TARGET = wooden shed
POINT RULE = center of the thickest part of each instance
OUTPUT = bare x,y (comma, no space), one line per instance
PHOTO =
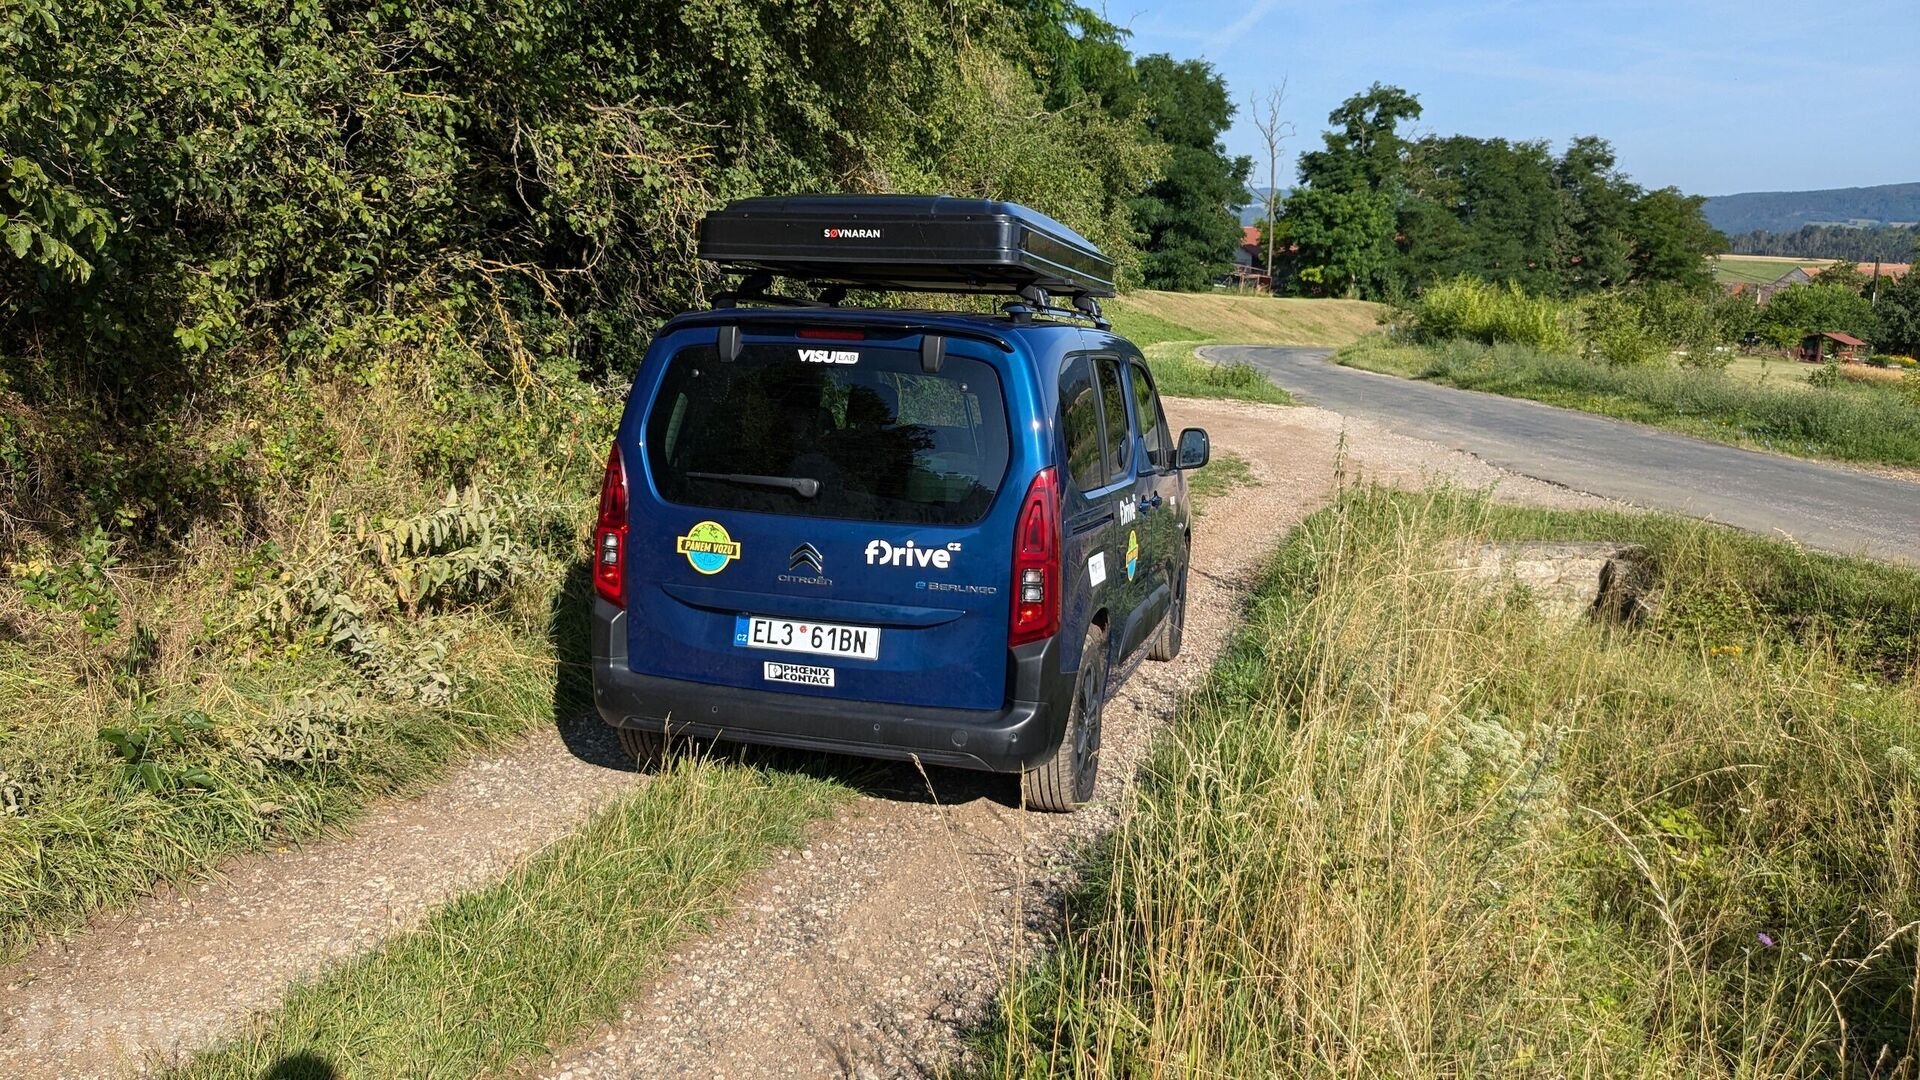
1842,347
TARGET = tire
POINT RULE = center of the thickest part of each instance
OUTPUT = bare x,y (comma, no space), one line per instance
1064,781
648,749
1166,643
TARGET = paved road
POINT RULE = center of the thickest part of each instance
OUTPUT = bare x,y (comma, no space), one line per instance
1824,506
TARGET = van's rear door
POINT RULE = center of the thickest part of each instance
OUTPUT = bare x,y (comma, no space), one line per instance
825,516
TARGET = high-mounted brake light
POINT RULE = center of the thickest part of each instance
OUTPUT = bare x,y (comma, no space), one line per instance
1036,563
831,333
610,533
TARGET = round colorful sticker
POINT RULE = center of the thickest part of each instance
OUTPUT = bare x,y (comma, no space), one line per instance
707,547
1133,553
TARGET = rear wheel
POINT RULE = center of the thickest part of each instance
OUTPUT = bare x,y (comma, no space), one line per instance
648,749
1166,643
1065,780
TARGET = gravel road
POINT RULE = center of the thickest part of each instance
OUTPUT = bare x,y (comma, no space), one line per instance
1834,507
864,954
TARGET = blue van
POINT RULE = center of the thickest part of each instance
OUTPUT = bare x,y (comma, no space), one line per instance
936,535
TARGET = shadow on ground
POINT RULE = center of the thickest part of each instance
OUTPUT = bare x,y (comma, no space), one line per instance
304,1065
593,742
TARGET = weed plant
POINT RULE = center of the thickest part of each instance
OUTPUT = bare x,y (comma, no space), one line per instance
1409,828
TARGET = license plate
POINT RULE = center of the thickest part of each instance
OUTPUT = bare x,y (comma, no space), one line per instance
800,636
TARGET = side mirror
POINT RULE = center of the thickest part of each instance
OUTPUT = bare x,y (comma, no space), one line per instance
1194,449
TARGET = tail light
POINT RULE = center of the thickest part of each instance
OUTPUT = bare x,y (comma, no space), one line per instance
1036,563
610,533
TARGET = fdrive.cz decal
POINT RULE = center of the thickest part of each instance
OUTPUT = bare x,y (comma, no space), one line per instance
882,553
1133,553
708,547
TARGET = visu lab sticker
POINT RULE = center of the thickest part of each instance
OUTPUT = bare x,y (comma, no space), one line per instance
801,674
1097,567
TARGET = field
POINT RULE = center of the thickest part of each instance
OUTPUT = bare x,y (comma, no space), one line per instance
1756,269
1413,828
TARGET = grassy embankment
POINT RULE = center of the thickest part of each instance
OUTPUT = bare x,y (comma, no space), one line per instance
1168,327
248,693
1848,422
1411,829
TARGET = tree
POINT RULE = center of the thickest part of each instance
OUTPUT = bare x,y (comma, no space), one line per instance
1485,207
1898,310
1845,274
1274,131
1187,216
1799,310
1671,238
1342,215
1595,248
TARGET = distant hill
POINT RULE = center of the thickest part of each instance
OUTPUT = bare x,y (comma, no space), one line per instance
1787,211
1251,213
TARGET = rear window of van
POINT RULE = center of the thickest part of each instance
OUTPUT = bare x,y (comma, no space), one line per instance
865,434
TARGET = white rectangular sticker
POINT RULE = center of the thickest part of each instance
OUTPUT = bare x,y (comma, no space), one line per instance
1097,567
804,674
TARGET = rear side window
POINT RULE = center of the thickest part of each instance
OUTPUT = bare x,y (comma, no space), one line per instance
1080,421
873,439
1113,413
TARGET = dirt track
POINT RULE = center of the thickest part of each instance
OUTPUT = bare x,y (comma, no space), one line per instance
862,955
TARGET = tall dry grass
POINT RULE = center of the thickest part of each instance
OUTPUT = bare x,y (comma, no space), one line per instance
1412,829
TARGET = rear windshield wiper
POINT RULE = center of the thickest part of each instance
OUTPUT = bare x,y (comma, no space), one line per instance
804,486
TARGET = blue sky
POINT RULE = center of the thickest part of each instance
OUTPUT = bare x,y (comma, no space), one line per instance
1714,97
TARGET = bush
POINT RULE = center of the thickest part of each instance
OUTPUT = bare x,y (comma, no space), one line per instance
1611,331
1477,310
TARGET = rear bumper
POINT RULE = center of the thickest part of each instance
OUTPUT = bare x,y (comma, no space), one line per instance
1020,736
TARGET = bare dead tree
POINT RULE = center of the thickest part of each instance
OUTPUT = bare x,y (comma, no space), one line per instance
1266,117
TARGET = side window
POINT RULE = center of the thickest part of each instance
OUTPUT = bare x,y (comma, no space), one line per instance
1113,416
1153,422
1080,420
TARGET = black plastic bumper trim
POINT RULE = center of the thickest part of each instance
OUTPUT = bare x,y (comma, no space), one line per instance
1019,736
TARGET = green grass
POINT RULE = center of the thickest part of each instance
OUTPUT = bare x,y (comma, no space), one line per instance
1221,475
498,977
1179,372
1850,423
1409,828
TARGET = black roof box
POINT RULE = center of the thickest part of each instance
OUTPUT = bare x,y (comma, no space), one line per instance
915,243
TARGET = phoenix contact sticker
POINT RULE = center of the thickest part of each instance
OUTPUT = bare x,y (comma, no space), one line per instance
803,674
708,547
1097,567
1133,553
